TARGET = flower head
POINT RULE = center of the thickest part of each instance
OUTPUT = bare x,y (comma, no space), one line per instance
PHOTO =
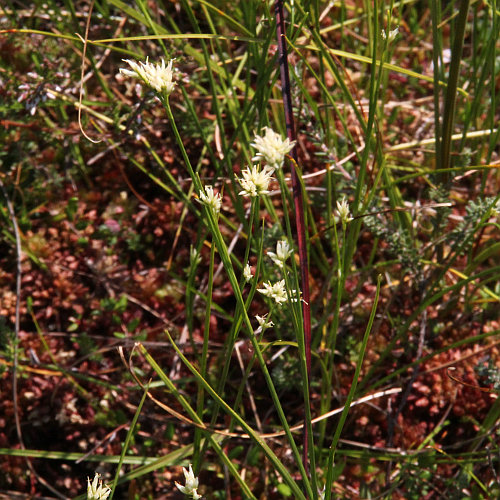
211,199
95,490
247,273
343,211
277,292
264,322
254,181
191,483
391,36
272,148
158,76
194,256
283,251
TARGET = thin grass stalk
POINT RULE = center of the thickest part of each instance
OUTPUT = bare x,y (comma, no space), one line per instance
203,365
492,116
194,176
236,325
213,86
483,68
331,336
437,57
332,65
451,90
329,97
350,396
127,441
298,204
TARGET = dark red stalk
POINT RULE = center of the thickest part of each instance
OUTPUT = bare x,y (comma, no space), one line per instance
297,196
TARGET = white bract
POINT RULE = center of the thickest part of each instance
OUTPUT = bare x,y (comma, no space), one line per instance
211,199
272,148
158,76
96,490
283,251
255,181
191,483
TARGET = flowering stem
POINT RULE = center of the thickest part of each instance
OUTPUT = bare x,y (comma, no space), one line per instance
203,364
196,180
299,206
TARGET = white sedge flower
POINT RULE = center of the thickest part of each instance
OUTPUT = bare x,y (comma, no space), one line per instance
211,199
158,76
272,148
254,181
392,34
247,273
343,211
96,490
277,292
191,483
264,323
283,251
194,256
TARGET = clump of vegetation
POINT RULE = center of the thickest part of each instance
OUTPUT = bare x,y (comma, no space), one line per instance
249,250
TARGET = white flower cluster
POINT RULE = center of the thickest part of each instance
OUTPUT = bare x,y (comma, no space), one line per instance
255,181
247,273
264,322
158,76
391,36
191,484
96,490
343,211
272,148
211,199
283,251
277,292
